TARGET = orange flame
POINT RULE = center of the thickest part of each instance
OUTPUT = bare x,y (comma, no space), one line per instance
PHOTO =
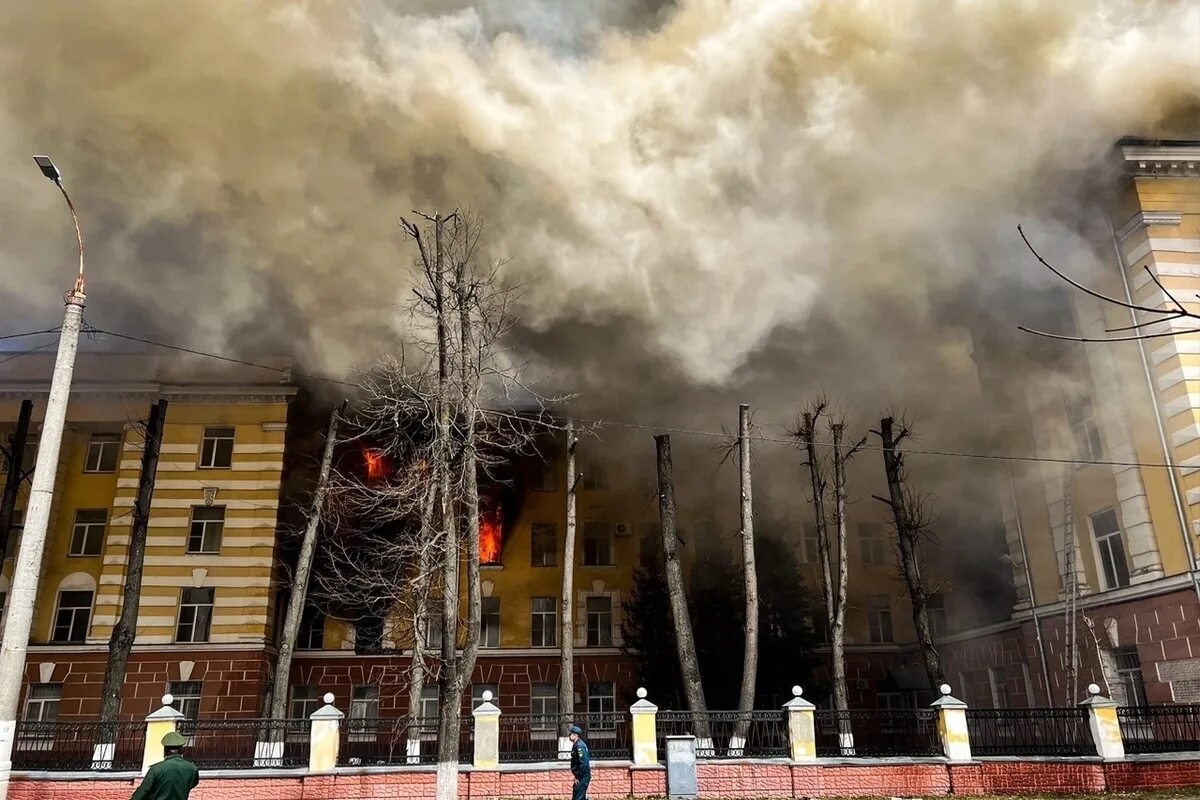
375,464
491,535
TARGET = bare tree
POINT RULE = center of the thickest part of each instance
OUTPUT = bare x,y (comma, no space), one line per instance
737,741
566,671
911,518
831,546
689,663
443,416
271,744
120,642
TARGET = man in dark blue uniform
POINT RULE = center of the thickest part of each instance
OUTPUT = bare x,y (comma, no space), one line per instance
581,764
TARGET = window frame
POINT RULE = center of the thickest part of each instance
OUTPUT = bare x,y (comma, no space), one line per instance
551,553
874,607
100,442
428,725
602,729
484,617
543,723
607,539
599,616
205,525
368,724
1103,545
74,612
545,476
42,703
196,615
215,433
809,537
1130,677
187,697
876,553
998,688
312,625
538,621
88,531
936,612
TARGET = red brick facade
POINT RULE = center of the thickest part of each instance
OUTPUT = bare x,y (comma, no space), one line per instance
731,781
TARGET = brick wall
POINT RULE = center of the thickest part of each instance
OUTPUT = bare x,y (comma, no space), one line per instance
718,781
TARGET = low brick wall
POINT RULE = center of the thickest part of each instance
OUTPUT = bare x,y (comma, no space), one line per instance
742,780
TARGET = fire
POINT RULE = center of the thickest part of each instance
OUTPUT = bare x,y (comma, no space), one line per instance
375,464
491,534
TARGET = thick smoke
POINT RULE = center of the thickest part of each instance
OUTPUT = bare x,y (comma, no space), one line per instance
707,202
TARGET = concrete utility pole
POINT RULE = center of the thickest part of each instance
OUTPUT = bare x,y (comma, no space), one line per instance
29,558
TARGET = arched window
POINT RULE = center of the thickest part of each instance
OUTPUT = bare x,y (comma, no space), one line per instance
73,609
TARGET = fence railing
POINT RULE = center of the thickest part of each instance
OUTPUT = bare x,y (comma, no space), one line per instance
1160,729
728,734
877,733
539,737
233,743
1030,732
397,741
76,746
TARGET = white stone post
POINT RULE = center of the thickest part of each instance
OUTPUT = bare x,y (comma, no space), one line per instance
645,738
487,734
158,725
952,725
324,736
801,725
1105,727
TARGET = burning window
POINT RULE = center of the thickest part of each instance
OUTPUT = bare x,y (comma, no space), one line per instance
491,536
376,466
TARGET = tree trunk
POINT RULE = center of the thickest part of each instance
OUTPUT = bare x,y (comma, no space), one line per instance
469,386
12,483
120,643
737,741
837,596
908,539
420,605
689,665
566,671
277,708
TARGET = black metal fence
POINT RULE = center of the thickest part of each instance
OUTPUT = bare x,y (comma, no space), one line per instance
877,733
392,742
1030,732
728,734
541,737
71,746
1160,729
235,743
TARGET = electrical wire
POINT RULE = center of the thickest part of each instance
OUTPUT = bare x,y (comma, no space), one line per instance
1001,457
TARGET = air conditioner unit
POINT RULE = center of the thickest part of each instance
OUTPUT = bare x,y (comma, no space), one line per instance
623,529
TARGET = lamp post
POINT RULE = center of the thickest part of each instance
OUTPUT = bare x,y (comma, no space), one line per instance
23,593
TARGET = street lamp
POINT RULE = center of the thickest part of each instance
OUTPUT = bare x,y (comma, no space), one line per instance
23,593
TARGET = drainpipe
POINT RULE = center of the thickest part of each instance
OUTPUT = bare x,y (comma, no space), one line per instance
1158,420
1037,622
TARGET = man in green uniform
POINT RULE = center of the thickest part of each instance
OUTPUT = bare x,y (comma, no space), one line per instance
173,778
581,764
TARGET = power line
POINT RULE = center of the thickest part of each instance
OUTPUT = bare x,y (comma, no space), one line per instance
676,430
29,333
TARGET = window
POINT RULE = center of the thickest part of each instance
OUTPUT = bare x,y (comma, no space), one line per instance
544,623
41,704
544,544
87,536
601,701
809,551
935,609
364,712
489,622
208,523
1110,547
433,628
650,541
545,475
429,713
102,453
597,544
305,700
72,617
543,709
1082,418
879,618
599,622
187,698
477,690
1129,677
966,689
870,541
216,448
893,701
595,478
195,615
820,625
999,687
368,634
12,544
312,630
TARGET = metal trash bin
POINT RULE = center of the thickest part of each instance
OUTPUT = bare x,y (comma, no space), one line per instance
681,767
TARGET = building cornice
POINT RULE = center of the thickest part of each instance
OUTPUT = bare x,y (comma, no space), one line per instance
184,393
1147,218
1138,591
1165,159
